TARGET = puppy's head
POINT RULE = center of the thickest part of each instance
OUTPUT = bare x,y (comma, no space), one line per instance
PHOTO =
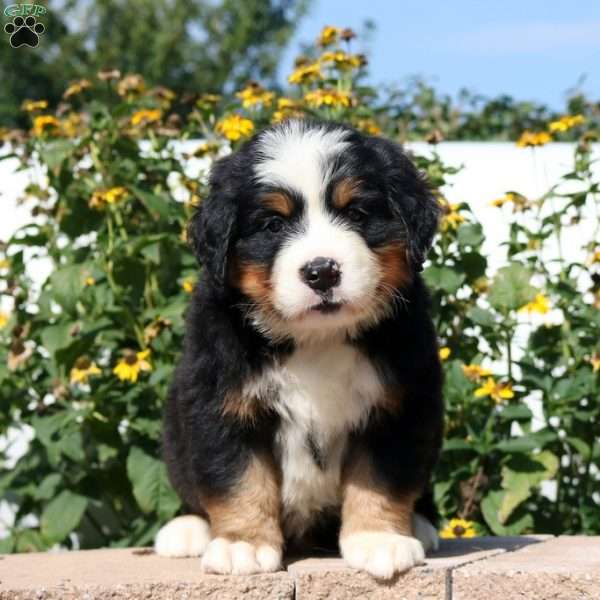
319,227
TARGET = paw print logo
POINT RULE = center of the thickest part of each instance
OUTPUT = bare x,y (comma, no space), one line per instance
24,32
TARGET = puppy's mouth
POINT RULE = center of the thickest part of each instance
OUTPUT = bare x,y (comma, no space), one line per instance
326,307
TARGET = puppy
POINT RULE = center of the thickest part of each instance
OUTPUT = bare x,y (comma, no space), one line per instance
306,408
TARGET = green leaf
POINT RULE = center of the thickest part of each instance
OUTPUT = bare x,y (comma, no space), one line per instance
444,278
490,508
482,317
470,234
151,486
511,289
55,152
62,515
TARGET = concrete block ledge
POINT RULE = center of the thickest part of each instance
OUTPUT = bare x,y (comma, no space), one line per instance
529,567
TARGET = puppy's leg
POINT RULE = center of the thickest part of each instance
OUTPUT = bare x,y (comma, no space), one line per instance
377,532
188,535
245,523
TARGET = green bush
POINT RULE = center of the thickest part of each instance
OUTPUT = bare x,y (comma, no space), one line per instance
87,357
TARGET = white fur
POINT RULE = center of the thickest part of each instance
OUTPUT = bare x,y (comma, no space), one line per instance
326,390
425,532
183,536
240,558
382,554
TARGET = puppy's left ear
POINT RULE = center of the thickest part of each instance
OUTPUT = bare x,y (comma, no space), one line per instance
212,228
410,198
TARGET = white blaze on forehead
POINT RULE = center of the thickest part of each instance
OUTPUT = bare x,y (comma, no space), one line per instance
295,155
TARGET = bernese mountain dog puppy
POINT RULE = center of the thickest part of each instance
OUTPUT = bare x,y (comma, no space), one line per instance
306,410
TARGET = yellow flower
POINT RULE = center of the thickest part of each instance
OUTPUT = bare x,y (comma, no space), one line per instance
3,320
595,362
531,138
368,126
342,60
328,35
475,372
100,198
445,353
519,202
34,105
131,85
145,116
594,258
129,367
305,74
497,391
567,122
287,108
4,263
540,304
188,285
328,97
83,370
206,148
45,123
458,528
453,219
76,88
90,281
254,94
207,101
70,125
235,127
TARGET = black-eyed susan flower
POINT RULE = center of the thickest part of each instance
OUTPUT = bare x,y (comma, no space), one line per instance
83,369
306,73
595,362
368,126
533,138
188,284
342,60
145,116
328,36
328,97
89,281
77,87
540,304
113,195
45,124
254,94
458,528
286,109
206,149
567,122
34,105
451,218
131,365
3,320
444,353
475,372
518,201
131,85
497,391
234,127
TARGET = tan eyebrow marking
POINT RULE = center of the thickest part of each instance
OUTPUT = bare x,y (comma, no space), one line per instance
279,202
345,191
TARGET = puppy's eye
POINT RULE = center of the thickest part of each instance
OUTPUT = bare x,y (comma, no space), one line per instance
356,215
274,225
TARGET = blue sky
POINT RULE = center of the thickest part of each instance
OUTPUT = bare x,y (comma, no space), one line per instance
531,49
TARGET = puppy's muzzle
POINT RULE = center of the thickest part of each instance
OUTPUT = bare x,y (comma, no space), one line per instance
321,274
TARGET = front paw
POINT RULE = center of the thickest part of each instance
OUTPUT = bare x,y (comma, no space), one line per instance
381,554
240,558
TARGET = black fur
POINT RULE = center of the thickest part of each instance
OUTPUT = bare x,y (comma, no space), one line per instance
206,452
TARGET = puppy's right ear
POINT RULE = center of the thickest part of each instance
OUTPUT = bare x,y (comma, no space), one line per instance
212,227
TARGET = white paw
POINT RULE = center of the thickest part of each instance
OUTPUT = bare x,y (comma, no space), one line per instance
425,532
240,558
183,536
381,554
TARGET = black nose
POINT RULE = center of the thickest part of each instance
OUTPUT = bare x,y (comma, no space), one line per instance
321,273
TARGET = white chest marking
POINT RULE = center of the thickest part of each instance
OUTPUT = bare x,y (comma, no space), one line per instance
324,391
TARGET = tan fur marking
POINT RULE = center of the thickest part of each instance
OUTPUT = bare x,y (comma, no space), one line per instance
253,280
394,266
240,407
279,202
368,506
345,191
251,512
